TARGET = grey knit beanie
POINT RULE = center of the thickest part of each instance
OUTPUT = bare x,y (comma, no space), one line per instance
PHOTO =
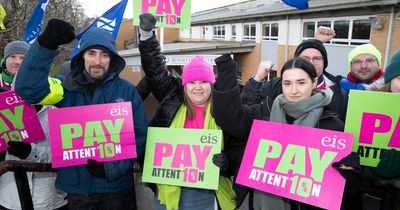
15,47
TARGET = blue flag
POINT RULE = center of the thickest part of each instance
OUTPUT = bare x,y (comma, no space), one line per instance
34,26
299,4
110,20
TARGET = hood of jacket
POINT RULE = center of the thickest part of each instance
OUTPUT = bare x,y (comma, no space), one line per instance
92,38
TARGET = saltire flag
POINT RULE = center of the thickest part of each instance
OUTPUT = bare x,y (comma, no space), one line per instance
34,26
110,20
2,16
299,4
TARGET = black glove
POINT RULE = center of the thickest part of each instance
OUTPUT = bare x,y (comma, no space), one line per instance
351,160
147,21
96,169
19,149
221,161
389,166
227,73
57,32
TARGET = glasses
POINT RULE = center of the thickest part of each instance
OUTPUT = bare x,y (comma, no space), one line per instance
316,60
358,62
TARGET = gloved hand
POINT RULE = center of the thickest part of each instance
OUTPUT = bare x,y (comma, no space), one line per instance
221,161
348,166
96,169
19,149
57,32
147,21
389,166
227,73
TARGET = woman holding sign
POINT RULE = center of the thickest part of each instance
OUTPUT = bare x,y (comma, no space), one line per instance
184,103
300,104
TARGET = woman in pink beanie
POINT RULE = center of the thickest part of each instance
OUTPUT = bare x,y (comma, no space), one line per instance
186,103
197,78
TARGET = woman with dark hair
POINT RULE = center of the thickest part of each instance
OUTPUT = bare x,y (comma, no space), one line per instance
299,104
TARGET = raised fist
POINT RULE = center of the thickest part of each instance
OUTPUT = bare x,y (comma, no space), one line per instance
324,34
147,21
57,32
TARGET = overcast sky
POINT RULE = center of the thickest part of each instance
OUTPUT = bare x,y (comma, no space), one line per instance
98,7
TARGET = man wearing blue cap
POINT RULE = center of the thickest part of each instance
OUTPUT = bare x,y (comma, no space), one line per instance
94,79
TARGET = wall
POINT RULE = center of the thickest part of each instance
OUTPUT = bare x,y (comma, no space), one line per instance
131,76
379,37
249,62
126,32
170,34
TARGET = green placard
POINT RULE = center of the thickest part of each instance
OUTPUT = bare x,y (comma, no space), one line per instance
182,157
373,117
169,13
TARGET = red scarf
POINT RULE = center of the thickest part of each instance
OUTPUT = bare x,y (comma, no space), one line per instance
378,75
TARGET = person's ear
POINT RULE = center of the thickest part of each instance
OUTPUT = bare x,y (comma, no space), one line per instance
315,82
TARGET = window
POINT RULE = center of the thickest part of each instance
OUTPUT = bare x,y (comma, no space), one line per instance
233,31
219,32
324,23
361,30
348,31
249,32
270,31
203,32
308,29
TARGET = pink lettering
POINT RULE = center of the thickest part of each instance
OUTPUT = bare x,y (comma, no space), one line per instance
146,4
395,139
201,156
164,6
178,6
182,156
369,126
162,150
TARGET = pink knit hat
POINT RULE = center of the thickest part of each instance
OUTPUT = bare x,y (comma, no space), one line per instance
198,69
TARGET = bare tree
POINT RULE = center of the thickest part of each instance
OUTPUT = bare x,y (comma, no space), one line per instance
19,12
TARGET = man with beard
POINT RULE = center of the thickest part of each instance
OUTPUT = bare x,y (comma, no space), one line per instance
94,79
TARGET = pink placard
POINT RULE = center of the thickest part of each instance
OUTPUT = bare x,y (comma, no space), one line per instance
18,121
101,132
295,162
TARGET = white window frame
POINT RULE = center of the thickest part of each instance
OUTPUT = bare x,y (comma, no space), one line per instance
233,35
249,37
203,32
349,39
220,28
270,37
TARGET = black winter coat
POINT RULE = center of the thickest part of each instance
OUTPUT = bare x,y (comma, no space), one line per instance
236,118
265,92
168,91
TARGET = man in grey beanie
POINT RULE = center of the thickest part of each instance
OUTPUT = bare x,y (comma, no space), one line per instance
14,54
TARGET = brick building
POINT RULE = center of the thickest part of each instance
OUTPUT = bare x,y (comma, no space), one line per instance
258,30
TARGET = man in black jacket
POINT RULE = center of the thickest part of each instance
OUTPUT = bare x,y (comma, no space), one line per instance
257,91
